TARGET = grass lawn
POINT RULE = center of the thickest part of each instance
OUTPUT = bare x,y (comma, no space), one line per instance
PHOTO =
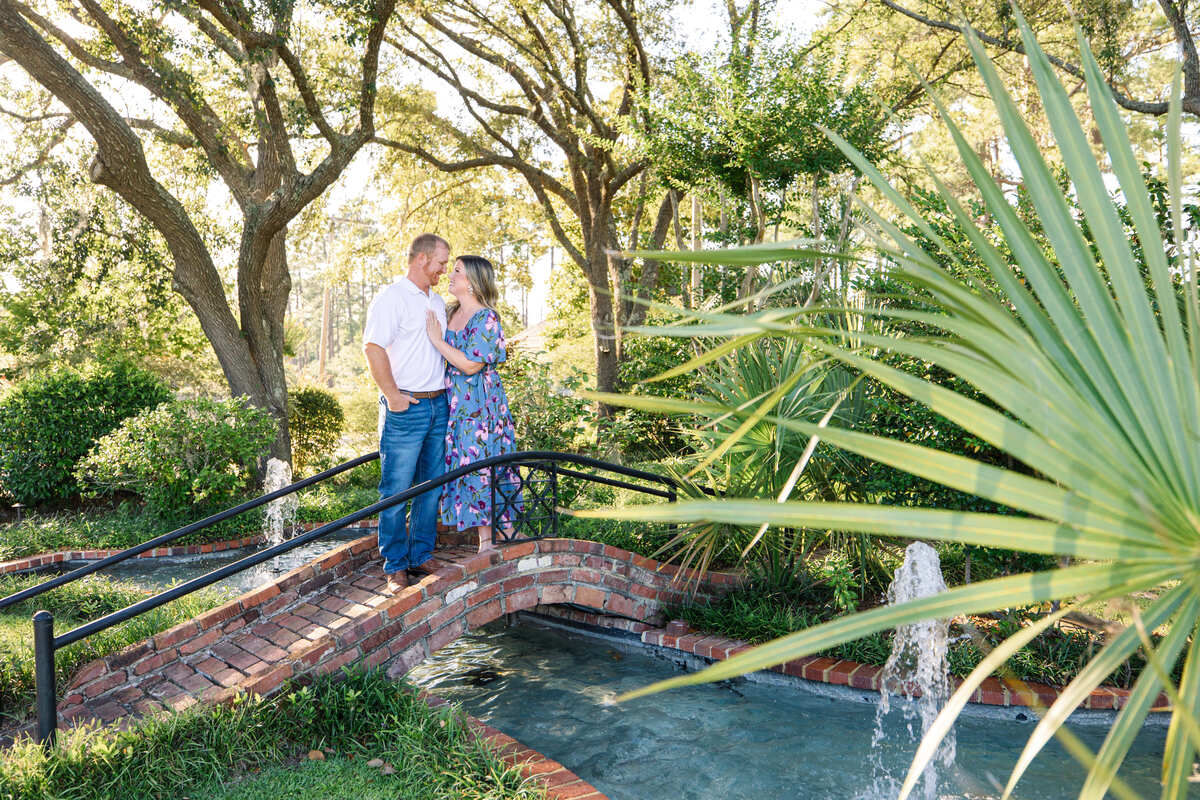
257,748
72,605
314,780
353,779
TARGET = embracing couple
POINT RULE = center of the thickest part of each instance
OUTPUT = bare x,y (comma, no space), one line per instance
441,403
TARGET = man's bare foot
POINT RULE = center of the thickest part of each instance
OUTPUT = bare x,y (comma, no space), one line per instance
397,582
485,544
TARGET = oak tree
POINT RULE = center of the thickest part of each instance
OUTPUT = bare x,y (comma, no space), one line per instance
277,95
547,90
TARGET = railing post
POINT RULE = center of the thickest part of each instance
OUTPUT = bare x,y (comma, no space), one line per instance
495,520
43,654
554,496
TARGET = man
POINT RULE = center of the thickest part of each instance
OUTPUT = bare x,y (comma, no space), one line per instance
410,374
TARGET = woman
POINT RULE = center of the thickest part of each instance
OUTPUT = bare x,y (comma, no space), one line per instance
480,424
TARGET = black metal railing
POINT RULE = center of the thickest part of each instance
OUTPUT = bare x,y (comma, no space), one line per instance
525,505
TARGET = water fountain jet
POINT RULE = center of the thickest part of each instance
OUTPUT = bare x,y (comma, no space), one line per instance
281,513
918,670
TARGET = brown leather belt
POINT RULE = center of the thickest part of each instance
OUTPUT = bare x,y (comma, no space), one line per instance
423,395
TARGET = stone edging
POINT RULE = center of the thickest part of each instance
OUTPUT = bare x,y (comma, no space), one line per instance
60,556
559,782
992,692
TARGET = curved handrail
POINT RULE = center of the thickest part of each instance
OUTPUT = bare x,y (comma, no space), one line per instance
195,584
159,541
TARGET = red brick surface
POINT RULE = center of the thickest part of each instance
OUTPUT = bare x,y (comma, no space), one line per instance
330,613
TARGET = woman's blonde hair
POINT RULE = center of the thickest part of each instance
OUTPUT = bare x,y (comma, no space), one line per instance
482,277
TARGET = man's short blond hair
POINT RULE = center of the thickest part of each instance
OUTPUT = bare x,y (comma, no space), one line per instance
426,244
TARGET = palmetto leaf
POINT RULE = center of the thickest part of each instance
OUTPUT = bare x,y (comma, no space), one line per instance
1092,377
750,255
962,695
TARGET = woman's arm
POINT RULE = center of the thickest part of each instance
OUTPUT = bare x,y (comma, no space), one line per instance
452,354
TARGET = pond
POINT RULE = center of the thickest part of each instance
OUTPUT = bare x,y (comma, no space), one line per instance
552,690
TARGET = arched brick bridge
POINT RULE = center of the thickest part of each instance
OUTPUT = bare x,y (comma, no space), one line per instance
331,613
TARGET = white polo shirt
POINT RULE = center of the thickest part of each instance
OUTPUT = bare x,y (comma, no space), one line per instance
396,322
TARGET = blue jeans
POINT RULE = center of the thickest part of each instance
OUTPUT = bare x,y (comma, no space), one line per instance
412,447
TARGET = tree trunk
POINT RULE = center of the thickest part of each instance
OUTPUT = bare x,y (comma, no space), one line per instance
697,235
637,311
604,326
262,304
325,322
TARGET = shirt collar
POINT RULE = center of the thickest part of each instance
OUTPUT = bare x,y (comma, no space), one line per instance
412,288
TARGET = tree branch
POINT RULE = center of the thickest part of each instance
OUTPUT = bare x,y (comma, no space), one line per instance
227,45
295,194
449,75
73,46
121,165
556,226
196,114
1191,101
484,158
1187,45
249,37
512,69
56,138
29,119
300,78
166,134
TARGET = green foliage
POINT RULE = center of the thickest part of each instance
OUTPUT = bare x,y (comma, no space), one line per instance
184,458
650,541
328,502
73,604
734,119
1090,380
51,419
745,124
315,422
352,714
129,523
101,288
759,461
761,610
643,436
547,414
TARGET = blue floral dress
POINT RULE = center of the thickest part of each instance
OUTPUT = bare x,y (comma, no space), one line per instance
480,424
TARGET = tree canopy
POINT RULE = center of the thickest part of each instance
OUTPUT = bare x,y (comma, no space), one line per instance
277,97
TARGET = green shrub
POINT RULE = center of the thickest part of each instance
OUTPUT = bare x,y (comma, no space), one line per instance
644,435
330,501
547,415
51,419
316,422
186,457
